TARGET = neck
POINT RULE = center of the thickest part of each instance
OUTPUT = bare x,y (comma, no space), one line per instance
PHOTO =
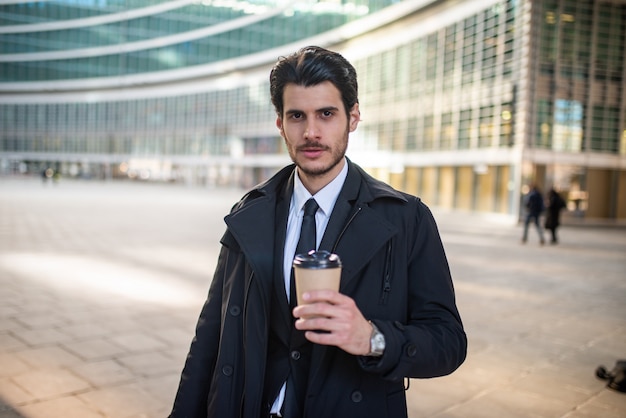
316,182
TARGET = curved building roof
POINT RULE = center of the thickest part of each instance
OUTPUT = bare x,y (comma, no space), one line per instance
73,45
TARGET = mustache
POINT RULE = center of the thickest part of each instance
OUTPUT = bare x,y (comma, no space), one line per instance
311,146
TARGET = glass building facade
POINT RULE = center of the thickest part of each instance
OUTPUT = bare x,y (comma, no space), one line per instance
463,103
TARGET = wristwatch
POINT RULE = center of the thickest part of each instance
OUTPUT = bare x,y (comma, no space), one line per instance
377,342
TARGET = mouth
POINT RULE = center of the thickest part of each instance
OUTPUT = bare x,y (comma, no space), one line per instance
311,151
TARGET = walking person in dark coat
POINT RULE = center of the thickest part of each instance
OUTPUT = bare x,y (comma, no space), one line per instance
553,214
534,209
395,315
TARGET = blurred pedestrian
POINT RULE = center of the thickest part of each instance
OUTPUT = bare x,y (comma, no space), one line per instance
534,209
553,214
47,175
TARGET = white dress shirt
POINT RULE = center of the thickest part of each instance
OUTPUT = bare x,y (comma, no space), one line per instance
326,199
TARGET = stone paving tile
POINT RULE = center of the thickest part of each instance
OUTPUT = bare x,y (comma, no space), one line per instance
508,403
612,400
138,341
39,337
555,385
94,349
10,365
42,320
173,336
432,396
122,401
49,382
13,393
594,409
148,364
7,341
67,407
51,356
85,330
162,389
103,373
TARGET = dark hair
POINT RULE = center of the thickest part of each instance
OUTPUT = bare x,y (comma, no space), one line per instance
310,66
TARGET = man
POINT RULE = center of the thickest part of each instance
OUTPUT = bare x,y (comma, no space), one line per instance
395,315
553,214
534,209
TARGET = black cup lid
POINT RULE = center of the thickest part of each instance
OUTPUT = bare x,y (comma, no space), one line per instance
317,260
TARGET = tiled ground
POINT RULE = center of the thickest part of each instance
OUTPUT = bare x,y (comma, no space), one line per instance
101,283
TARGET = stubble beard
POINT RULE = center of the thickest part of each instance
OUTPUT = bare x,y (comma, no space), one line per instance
337,154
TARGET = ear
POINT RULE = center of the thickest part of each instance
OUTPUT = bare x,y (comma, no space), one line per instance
355,117
279,125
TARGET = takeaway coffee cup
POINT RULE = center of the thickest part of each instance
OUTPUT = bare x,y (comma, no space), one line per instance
316,270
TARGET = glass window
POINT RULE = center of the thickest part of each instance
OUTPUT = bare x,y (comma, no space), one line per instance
491,40
568,125
469,43
402,72
465,123
506,125
429,132
605,132
447,131
416,69
485,131
398,134
431,59
544,120
449,52
411,135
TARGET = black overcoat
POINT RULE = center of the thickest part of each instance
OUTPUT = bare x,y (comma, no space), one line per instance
394,267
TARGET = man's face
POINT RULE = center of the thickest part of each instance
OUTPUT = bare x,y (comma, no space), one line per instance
315,127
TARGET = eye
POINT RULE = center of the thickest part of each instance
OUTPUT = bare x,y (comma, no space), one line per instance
327,113
296,115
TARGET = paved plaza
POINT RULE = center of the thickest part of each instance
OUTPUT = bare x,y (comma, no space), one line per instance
101,285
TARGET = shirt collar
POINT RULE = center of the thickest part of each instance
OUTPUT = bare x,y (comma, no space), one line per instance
326,197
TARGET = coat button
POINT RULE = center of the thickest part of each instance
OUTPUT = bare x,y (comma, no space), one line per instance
357,396
235,310
411,350
227,370
295,355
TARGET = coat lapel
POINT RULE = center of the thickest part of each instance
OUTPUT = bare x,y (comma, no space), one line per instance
282,212
344,209
253,227
253,224
355,232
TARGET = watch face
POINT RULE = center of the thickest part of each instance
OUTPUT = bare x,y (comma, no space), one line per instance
379,342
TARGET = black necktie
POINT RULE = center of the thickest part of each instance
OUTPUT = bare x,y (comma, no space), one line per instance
296,383
307,241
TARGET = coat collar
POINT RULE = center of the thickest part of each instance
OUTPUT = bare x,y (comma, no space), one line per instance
254,220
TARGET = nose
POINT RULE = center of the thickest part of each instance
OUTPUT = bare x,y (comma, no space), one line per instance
311,131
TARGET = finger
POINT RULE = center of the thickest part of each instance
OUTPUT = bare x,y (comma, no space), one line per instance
306,324
320,338
324,295
316,310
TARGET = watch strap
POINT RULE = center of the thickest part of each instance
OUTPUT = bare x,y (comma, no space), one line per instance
377,342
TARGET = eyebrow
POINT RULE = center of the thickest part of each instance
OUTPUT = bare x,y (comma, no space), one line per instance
321,109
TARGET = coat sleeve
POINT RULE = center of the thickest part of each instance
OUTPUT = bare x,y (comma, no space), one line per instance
432,341
195,381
